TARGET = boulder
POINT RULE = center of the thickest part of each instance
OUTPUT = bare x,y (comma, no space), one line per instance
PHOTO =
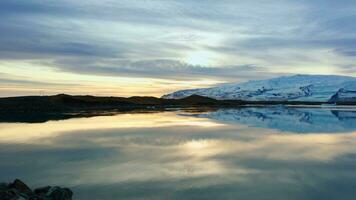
42,190
18,190
21,188
8,195
57,193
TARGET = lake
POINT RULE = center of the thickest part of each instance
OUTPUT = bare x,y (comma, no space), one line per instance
257,153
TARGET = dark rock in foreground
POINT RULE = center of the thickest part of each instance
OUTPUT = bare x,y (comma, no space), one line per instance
20,191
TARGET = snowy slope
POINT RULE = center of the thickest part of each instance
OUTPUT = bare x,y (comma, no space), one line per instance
287,88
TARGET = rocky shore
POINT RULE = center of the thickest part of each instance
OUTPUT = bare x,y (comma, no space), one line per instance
18,190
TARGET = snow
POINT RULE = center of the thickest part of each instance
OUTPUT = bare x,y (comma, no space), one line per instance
286,88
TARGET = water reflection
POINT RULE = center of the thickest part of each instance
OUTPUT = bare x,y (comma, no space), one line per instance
294,119
27,132
171,155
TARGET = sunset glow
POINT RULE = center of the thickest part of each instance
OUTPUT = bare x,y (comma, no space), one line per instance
155,47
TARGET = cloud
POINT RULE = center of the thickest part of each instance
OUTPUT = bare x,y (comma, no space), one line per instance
153,39
14,82
161,69
9,80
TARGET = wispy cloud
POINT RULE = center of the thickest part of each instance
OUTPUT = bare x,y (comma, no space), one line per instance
160,69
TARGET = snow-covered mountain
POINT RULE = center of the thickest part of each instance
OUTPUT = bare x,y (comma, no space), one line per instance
287,88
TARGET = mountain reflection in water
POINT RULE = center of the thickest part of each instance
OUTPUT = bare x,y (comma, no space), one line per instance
188,155
292,119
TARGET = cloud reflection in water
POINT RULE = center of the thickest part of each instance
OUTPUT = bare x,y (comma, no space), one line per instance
172,156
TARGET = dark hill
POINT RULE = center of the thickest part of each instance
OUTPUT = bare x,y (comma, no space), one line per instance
68,103
64,103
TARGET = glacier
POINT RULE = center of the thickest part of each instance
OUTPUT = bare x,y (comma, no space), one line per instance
315,88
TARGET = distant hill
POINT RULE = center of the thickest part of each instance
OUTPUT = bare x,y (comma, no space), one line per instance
305,88
67,103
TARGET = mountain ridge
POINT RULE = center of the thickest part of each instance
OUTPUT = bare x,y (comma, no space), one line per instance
313,88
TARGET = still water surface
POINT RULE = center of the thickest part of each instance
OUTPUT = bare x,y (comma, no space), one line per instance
250,153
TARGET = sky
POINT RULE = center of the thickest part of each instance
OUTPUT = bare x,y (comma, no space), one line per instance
153,47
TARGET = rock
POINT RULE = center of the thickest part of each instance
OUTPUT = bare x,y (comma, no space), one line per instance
57,193
42,190
8,195
21,187
344,96
20,191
